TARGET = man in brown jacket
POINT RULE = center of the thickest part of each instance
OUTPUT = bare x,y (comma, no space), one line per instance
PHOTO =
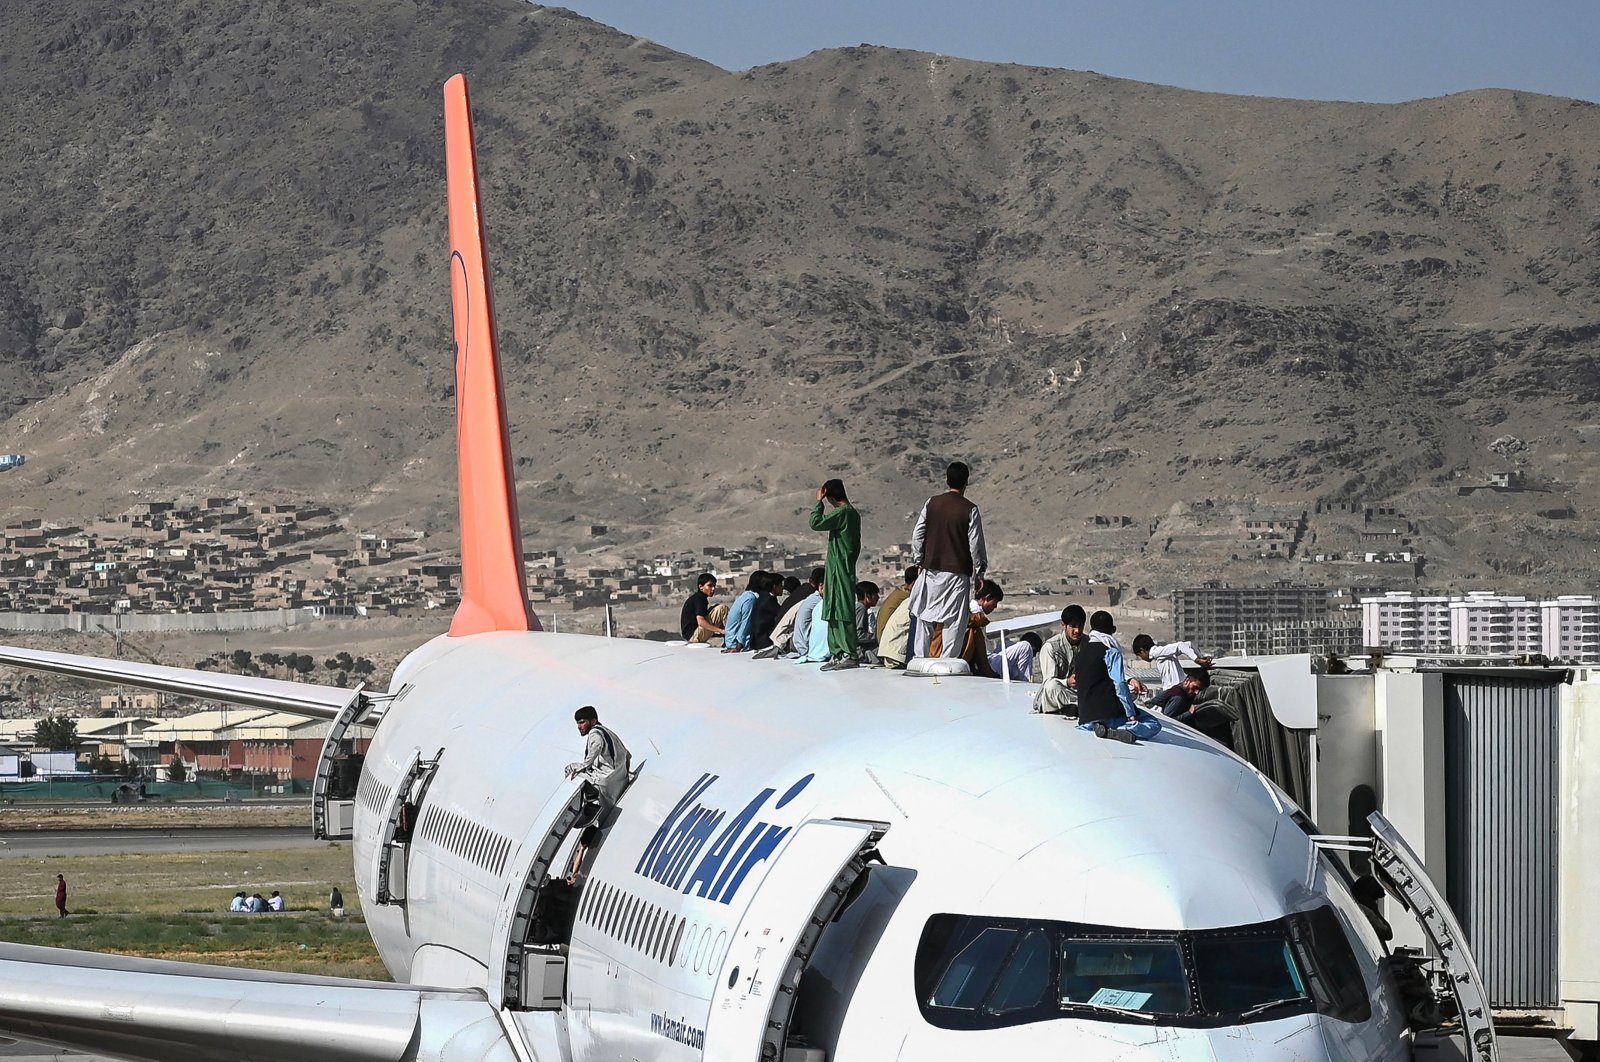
948,542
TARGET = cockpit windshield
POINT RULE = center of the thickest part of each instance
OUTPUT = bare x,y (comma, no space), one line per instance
975,973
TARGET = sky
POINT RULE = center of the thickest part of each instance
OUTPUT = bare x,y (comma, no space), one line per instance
1362,50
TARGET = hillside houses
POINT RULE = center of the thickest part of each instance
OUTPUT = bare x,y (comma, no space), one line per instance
222,555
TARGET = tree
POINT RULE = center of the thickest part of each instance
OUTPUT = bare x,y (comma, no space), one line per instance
176,771
363,667
56,732
303,664
271,660
241,660
103,764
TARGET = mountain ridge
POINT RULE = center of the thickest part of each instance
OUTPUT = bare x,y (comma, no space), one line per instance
716,288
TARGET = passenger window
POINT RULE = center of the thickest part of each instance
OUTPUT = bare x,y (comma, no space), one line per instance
968,977
1025,982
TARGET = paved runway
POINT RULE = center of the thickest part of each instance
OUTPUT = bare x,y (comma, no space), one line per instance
44,843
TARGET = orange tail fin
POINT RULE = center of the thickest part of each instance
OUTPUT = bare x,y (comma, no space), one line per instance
493,592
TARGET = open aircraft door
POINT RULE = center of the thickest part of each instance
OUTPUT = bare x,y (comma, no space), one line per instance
774,942
1401,872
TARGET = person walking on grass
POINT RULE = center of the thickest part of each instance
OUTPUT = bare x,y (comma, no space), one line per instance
843,526
61,896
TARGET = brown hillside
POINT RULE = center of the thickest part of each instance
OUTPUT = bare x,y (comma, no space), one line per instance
228,274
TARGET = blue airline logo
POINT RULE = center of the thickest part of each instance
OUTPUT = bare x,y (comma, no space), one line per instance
674,855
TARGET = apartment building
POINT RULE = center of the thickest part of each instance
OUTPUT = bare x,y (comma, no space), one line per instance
1317,637
1565,628
1401,621
1569,628
1208,616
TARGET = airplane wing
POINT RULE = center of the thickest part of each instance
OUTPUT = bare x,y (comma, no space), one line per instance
152,1010
299,698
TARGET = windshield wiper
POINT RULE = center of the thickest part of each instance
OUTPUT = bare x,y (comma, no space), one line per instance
1121,1012
1262,1008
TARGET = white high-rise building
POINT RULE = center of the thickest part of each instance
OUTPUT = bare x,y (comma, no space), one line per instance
1570,629
1495,623
1565,628
1400,621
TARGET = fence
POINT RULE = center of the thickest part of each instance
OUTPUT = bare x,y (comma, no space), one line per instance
99,789
157,623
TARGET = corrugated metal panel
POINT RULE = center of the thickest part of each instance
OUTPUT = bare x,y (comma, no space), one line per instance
1503,831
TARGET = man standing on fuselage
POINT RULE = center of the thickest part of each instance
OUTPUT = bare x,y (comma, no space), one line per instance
843,526
948,542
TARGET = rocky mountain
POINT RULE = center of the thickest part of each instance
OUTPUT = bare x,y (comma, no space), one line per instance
227,272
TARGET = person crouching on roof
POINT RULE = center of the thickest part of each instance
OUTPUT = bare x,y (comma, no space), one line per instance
1105,703
605,764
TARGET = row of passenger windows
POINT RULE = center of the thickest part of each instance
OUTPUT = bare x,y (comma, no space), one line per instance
373,795
472,842
668,938
631,920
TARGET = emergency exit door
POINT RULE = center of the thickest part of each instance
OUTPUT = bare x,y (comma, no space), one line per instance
755,990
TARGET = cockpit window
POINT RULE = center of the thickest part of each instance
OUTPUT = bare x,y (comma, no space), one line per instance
975,973
970,975
1144,975
1236,974
1025,981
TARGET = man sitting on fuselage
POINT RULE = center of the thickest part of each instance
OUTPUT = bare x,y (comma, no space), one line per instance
1057,693
1105,702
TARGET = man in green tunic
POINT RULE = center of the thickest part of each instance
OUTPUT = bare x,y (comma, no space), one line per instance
843,526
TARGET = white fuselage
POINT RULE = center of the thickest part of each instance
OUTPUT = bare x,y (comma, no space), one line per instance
990,810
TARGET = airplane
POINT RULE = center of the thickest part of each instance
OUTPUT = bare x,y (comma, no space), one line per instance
855,866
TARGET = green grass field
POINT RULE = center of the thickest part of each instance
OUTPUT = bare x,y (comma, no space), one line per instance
174,906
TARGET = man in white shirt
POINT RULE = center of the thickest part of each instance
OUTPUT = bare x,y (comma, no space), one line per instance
1168,658
605,763
275,901
1017,658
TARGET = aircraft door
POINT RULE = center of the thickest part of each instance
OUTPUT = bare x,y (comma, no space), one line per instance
333,787
1401,871
755,990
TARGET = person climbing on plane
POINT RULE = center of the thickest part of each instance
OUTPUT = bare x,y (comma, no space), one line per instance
604,767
